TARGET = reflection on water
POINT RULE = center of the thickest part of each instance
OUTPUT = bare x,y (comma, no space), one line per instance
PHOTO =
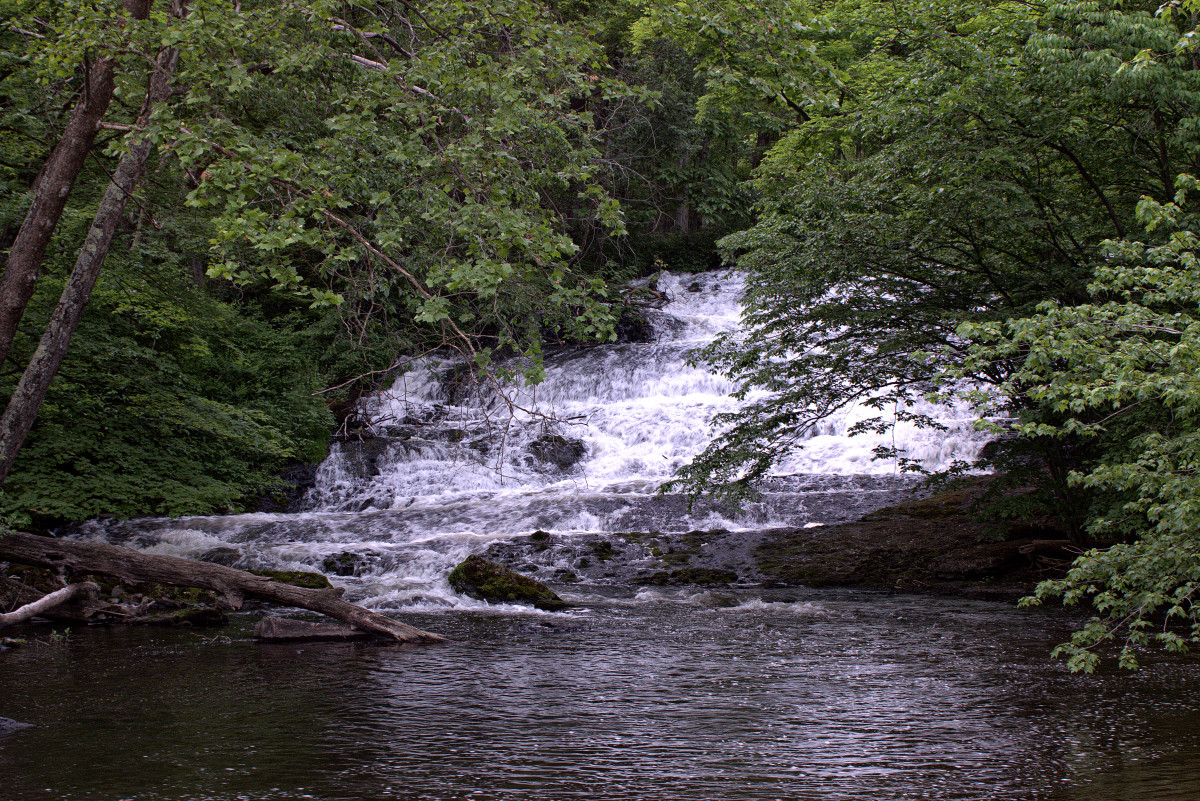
664,696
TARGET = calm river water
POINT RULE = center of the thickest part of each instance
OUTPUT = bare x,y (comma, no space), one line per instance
658,695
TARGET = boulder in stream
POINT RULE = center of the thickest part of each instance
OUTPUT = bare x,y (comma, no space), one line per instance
558,451
703,576
488,581
345,563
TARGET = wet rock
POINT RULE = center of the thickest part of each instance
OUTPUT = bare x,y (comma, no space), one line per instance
703,576
488,581
634,327
223,555
459,384
695,287
344,564
289,491
559,451
365,458
297,578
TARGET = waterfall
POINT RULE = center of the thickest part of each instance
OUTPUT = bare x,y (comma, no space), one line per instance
450,468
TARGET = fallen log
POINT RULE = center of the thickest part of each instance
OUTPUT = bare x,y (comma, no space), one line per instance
278,629
47,603
234,585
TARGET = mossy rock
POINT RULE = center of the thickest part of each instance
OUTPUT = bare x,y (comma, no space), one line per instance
604,551
181,595
297,578
559,451
343,564
488,581
703,576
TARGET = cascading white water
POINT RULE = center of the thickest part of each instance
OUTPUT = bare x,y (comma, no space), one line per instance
452,469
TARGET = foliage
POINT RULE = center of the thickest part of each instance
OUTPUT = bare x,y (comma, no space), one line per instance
360,182
1122,371
970,173
170,402
431,173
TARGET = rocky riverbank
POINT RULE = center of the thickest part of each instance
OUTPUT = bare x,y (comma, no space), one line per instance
928,544
931,544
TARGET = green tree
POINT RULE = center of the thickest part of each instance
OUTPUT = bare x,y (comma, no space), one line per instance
432,171
413,177
1123,372
980,157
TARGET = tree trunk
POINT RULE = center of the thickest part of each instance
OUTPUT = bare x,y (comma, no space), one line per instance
51,189
236,585
31,390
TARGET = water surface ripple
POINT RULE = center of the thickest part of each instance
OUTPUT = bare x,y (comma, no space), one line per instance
831,696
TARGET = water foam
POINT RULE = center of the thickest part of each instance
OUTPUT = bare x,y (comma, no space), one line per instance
451,469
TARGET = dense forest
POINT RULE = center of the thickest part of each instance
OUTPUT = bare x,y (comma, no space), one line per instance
244,216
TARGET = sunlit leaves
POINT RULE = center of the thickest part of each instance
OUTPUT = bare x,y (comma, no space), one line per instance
449,170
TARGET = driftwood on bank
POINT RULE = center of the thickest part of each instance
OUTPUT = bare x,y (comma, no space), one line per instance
234,585
47,603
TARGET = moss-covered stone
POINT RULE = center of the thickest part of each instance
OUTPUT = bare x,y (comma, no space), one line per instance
343,564
559,451
297,578
603,550
488,581
703,576
181,595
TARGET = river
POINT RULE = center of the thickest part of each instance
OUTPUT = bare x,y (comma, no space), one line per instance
745,692
790,695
